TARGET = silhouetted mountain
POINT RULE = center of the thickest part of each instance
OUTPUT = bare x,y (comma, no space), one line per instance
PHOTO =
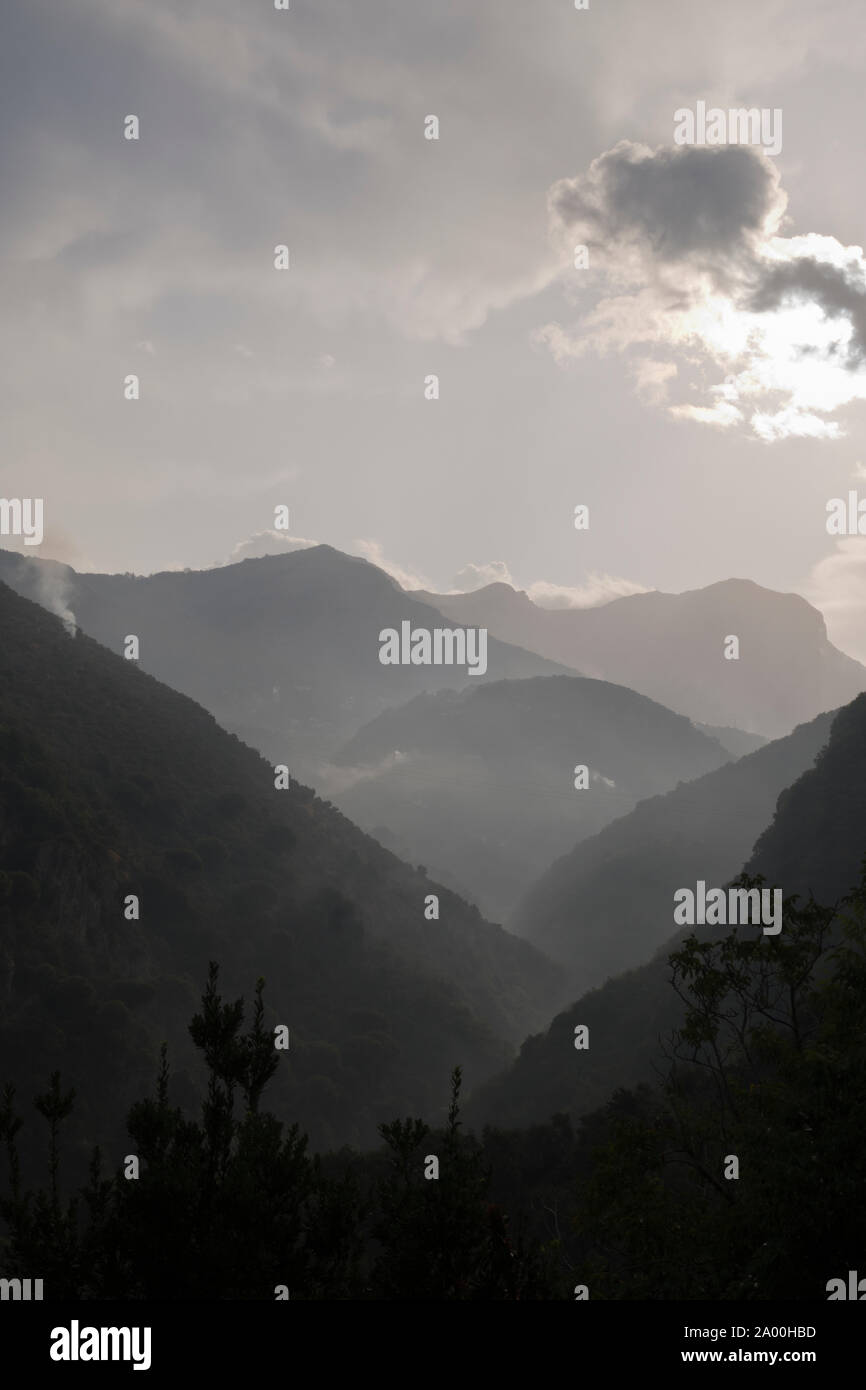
113,785
284,650
817,840
817,837
670,647
606,906
479,784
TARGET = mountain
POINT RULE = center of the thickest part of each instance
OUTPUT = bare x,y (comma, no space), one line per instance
114,787
734,741
606,906
284,650
816,839
670,647
479,784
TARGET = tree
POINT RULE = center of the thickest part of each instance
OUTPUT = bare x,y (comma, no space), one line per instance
768,1067
228,1207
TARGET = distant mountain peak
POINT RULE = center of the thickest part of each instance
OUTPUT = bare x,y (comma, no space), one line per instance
670,647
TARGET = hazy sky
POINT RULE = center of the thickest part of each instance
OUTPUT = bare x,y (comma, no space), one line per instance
701,386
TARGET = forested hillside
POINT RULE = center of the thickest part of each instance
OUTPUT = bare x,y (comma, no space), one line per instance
112,786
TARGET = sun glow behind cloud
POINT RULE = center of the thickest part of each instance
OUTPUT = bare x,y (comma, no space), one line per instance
762,331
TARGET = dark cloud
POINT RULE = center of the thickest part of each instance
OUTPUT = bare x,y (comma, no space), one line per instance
809,280
708,206
688,243
711,210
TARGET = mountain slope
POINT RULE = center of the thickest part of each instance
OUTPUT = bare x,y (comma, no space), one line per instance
817,839
735,741
670,647
113,785
284,650
479,783
606,906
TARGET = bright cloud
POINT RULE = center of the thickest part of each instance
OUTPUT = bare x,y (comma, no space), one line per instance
267,543
474,576
837,587
686,257
373,551
596,590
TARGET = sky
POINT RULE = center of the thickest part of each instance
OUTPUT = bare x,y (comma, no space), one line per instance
700,385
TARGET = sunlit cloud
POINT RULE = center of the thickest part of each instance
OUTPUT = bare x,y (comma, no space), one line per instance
837,587
762,331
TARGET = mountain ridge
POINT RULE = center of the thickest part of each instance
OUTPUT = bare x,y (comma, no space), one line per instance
818,821
480,782
605,905
670,647
282,649
111,785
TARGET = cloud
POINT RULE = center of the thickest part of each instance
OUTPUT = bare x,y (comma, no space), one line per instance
839,291
267,543
272,542
474,576
837,587
596,590
722,413
709,207
652,379
329,106
685,255
600,777
258,129
407,579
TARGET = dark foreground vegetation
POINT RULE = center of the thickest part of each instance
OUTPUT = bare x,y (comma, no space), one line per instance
768,1068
